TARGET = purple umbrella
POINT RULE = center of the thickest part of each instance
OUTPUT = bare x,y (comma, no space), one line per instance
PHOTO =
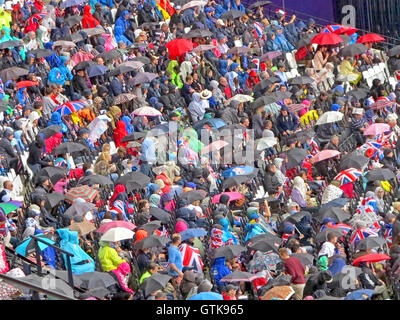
270,55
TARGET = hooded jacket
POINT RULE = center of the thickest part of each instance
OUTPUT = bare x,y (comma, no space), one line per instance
220,270
109,258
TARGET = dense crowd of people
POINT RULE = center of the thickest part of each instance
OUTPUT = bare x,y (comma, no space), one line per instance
194,150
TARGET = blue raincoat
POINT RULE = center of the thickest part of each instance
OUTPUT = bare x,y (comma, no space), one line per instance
119,36
220,270
61,74
122,22
227,235
56,120
53,60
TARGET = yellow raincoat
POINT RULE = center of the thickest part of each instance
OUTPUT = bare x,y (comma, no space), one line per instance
309,116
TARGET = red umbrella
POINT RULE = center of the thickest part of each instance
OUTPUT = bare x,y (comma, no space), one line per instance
178,47
370,37
326,154
324,39
114,224
372,257
25,84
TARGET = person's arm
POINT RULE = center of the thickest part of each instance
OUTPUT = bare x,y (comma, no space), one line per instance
115,258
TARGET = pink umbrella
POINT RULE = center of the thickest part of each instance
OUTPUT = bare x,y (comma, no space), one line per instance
232,196
216,145
114,224
326,154
80,56
376,128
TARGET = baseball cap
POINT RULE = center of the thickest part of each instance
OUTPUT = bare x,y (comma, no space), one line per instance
221,22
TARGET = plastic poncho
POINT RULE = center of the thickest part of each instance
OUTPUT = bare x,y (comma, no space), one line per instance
119,36
220,270
253,229
69,242
56,120
227,236
61,74
175,76
5,18
109,258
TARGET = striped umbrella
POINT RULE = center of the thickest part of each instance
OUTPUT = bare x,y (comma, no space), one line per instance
348,175
69,107
83,192
380,104
36,18
296,107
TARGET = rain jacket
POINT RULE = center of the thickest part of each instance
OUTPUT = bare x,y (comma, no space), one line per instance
88,20
61,74
109,258
119,36
220,270
122,22
69,242
56,120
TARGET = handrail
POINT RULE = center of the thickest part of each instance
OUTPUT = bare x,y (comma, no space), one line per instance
52,245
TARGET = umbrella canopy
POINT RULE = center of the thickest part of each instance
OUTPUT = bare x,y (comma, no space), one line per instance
394,51
380,174
134,64
134,136
333,212
8,207
231,14
12,44
296,107
266,83
348,175
50,131
79,209
142,77
117,234
96,70
64,44
53,199
110,55
324,39
142,59
362,294
120,70
150,227
358,94
35,18
262,236
207,296
279,292
193,4
330,117
241,98
265,143
339,29
352,50
372,258
151,242
305,40
40,53
353,161
370,243
12,73
238,276
322,236
259,4
193,233
370,37
69,107
214,146
232,196
237,180
326,154
95,179
197,33
192,196
376,128
96,280
295,156
83,228
300,80
380,104
238,171
238,50
305,259
70,3
147,111
28,246
123,98
133,181
270,55
296,217
116,224
53,173
63,275
160,214
84,192
229,252
265,244
178,47
156,282
203,47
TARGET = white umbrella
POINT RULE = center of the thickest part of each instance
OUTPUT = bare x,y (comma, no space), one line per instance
193,4
241,98
117,234
147,111
330,117
265,143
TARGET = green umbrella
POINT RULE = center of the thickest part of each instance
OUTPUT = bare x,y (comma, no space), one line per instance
8,207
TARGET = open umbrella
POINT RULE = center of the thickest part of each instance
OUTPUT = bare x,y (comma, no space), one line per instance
380,104
142,59
370,243
11,44
380,175
151,242
394,51
134,136
95,179
193,4
296,217
142,77
238,171
262,236
203,47
336,213
326,154
279,292
54,173
324,39
353,161
322,236
266,83
73,20
53,199
114,224
69,147
63,275
358,94
147,111
352,50
259,4
133,181
64,44
178,47
238,276
151,226
237,180
270,55
160,214
339,29
229,252
265,244
123,98
83,227
117,234
232,14
265,143
79,209
376,128
330,117
69,107
370,37
70,3
96,280
207,296
120,70
96,70
232,196
28,246
50,131
241,98
295,156
8,207
192,196
133,64
348,175
372,258
12,73
305,259
305,40
193,233
238,50
197,33
84,192
110,55
300,80
156,282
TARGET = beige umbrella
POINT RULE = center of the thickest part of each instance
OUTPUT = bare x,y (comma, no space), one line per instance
83,228
280,292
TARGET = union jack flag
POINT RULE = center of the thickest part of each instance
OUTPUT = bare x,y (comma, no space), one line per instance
361,234
344,227
286,236
348,175
388,234
258,30
191,257
314,147
332,28
36,18
375,226
372,150
162,233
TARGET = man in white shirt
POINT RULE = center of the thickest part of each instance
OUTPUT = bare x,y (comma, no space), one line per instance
327,251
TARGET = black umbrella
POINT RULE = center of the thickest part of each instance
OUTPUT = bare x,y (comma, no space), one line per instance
265,244
134,136
303,135
295,157
160,214
96,280
53,199
142,77
263,101
84,65
142,59
394,51
41,53
266,83
63,275
301,80
352,50
134,181
238,50
358,94
237,180
11,44
229,252
70,3
156,282
295,218
69,147
151,242
98,293
95,31
109,55
13,73
192,196
305,259
96,70
232,14
148,25
380,175
197,33
345,38
53,173
322,236
267,235
305,41
332,212
79,209
370,243
150,227
50,131
259,4
95,179
73,20
353,161
120,70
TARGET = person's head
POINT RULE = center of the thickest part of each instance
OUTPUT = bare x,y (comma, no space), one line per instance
245,122
160,296
281,67
271,167
331,237
153,267
284,111
189,80
283,254
144,205
8,185
176,239
223,82
335,140
100,61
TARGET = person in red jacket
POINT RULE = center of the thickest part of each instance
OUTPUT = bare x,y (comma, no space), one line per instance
119,133
230,292
88,21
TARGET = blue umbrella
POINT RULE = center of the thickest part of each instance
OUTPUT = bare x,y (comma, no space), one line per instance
192,233
28,246
237,171
207,296
216,123
340,202
96,70
363,294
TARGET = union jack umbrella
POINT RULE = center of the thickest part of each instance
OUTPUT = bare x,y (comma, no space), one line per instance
339,29
348,175
344,227
36,18
69,107
380,104
361,234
